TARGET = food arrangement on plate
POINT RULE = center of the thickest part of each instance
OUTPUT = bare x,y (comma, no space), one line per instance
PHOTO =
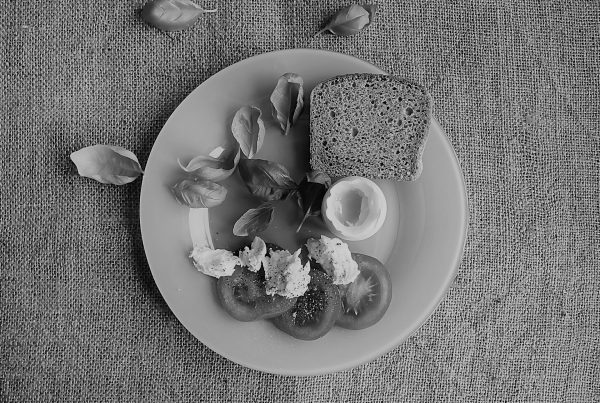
363,127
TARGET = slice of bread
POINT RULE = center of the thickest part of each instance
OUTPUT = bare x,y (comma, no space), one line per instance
369,125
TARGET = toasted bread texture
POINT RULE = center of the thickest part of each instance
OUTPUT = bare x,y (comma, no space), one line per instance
369,125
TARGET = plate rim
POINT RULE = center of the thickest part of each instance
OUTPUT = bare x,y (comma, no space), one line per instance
351,363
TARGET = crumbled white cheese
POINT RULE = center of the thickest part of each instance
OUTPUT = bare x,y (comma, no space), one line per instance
335,257
252,257
214,262
285,274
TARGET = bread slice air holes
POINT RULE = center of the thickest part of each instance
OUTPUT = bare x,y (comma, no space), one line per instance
401,117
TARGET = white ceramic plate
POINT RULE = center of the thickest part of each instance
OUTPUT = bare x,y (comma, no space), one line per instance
421,242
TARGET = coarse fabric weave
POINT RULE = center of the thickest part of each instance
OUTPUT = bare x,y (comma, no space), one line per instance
515,85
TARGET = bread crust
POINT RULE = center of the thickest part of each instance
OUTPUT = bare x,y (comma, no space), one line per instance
370,125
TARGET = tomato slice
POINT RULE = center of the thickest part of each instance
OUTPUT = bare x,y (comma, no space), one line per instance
315,312
244,297
366,299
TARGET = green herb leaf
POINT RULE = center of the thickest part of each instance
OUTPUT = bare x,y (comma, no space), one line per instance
254,220
267,180
107,164
213,168
248,129
172,15
318,177
199,193
311,191
351,20
287,100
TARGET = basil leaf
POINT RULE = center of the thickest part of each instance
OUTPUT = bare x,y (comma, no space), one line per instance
172,15
107,164
311,191
318,177
248,129
254,220
213,168
287,100
267,180
199,193
351,20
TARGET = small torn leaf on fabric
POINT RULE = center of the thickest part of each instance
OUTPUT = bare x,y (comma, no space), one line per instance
107,164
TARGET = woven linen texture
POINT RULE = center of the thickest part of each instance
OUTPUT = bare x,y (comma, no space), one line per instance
515,86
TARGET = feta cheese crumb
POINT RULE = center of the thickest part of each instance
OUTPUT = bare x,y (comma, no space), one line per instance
335,257
214,262
252,257
285,274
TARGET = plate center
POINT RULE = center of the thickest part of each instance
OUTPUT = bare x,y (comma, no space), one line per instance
292,151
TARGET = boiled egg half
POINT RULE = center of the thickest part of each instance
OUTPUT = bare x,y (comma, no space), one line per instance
354,208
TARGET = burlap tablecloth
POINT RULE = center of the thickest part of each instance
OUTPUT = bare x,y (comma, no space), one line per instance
516,89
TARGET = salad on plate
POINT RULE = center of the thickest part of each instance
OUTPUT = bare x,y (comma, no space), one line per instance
363,127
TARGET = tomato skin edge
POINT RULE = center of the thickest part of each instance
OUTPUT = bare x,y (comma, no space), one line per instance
283,304
351,322
264,307
224,292
286,323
